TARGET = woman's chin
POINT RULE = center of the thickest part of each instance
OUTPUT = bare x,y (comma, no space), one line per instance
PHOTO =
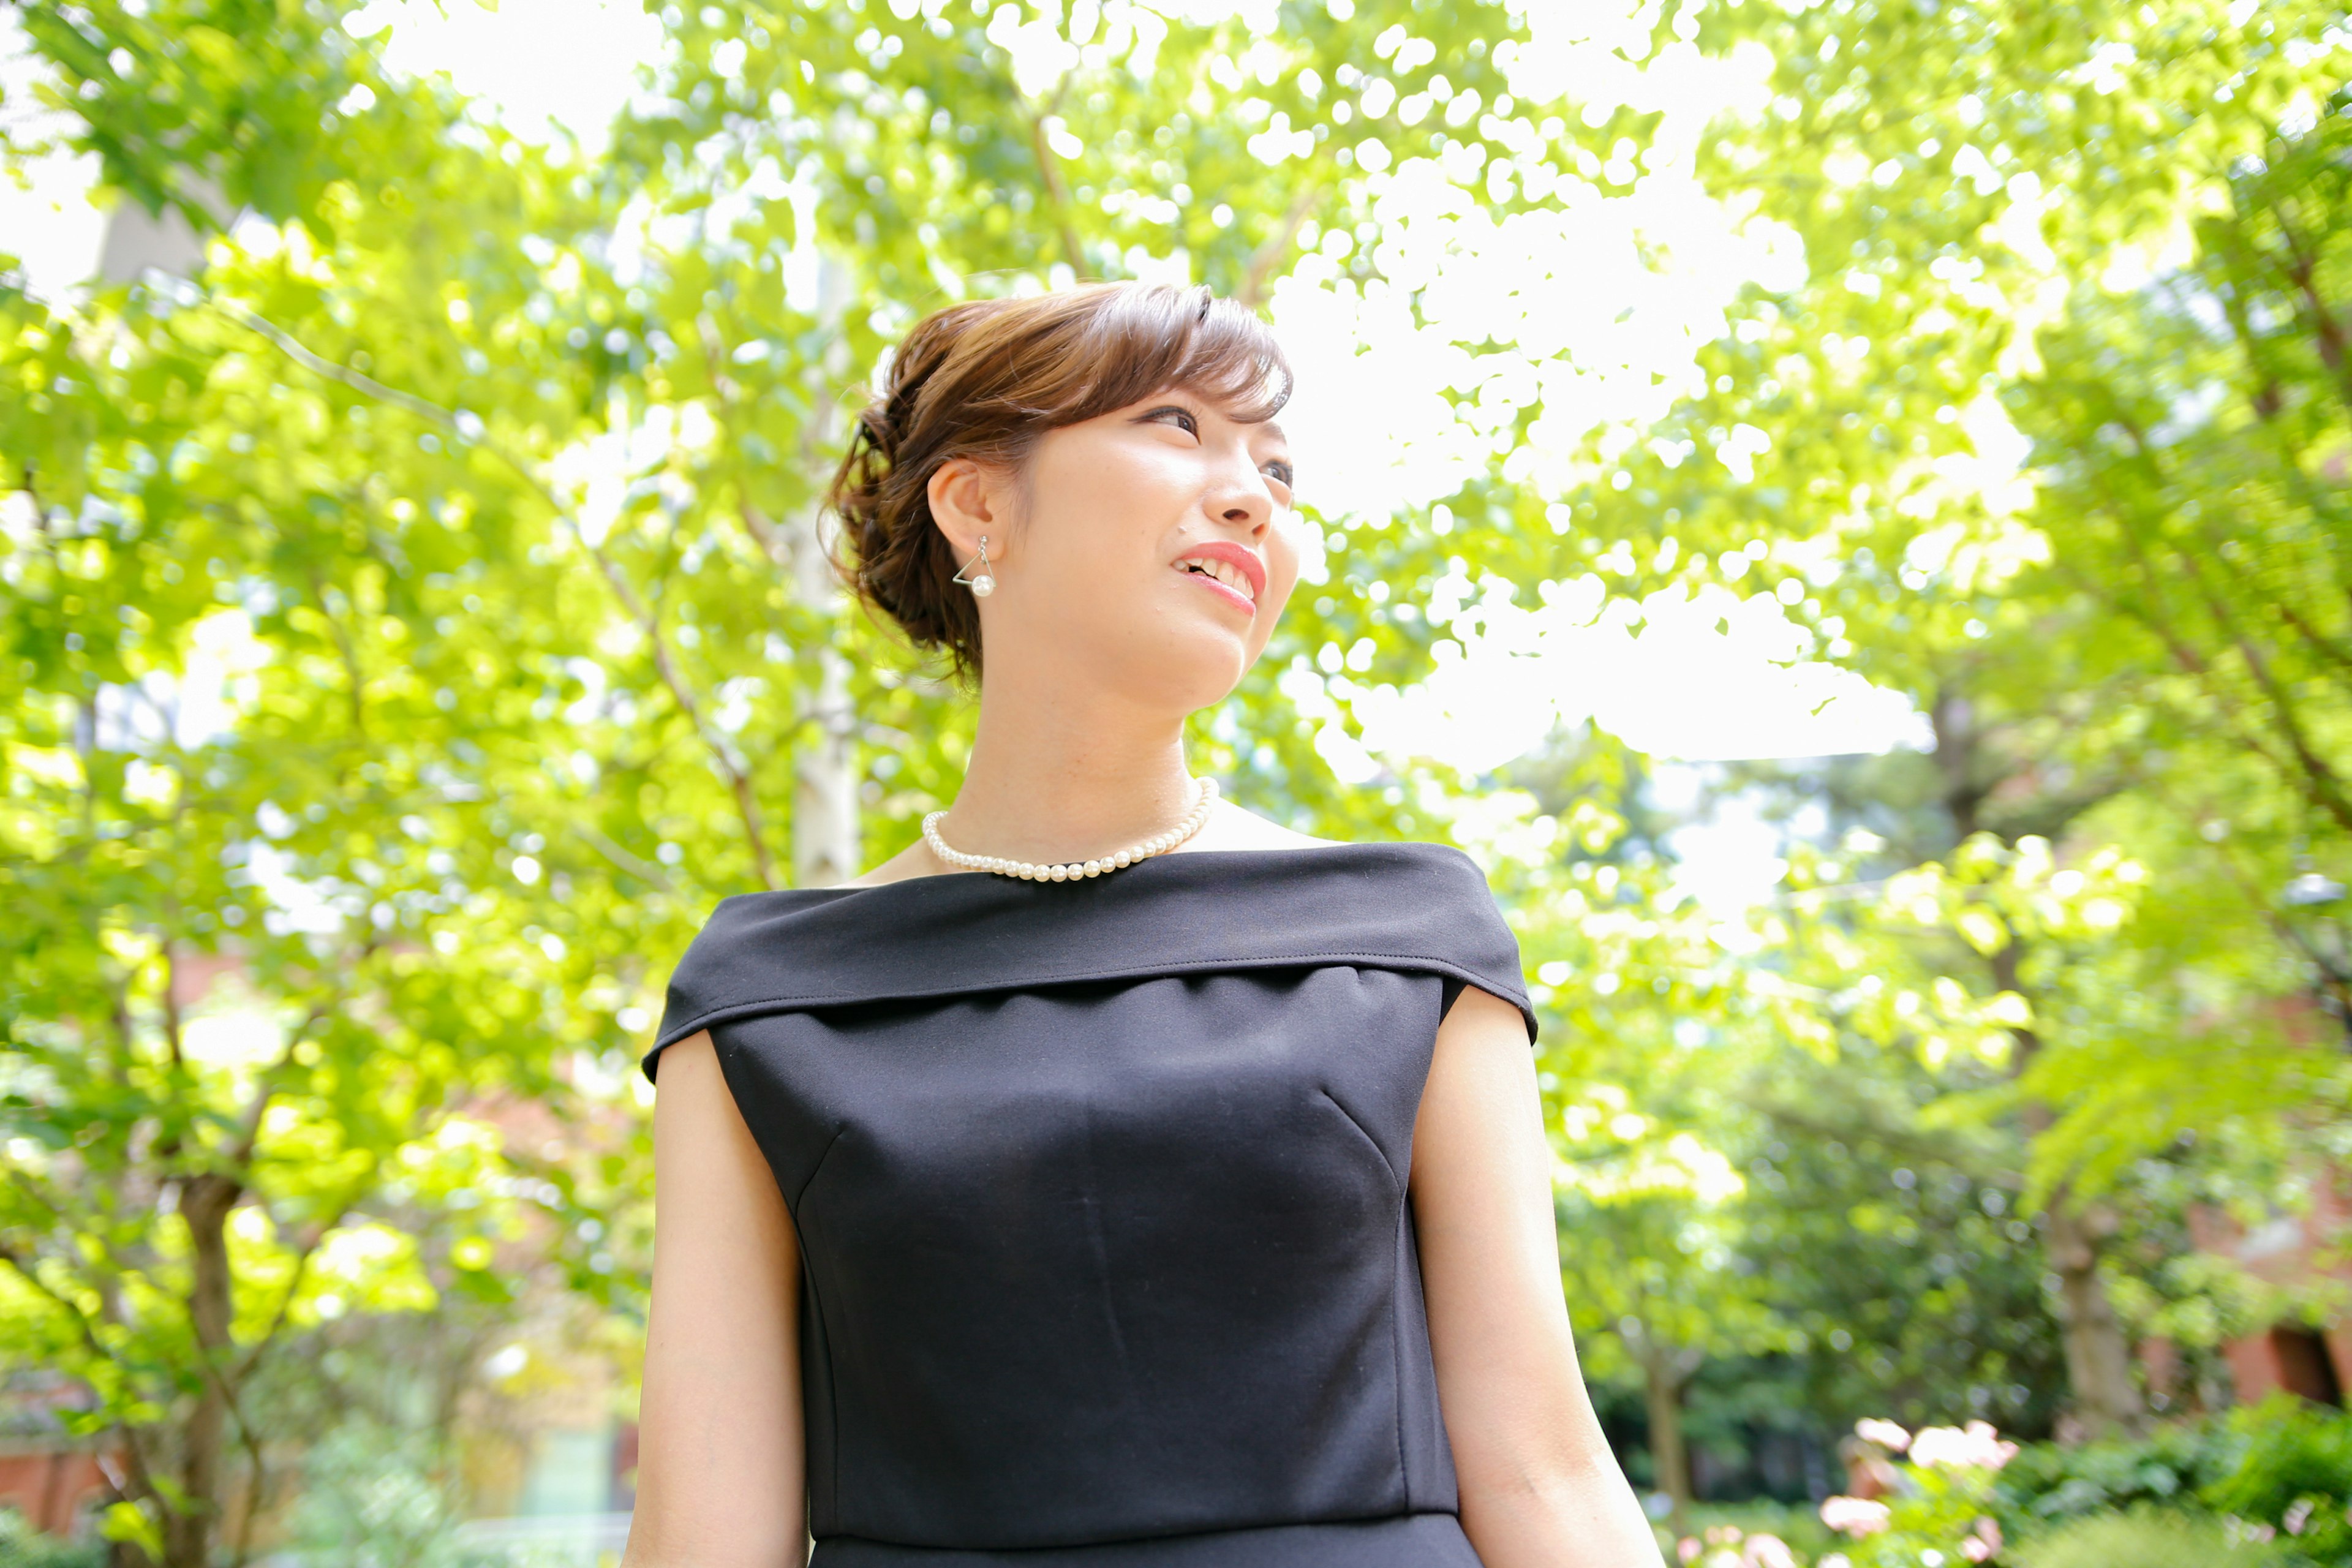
1195,670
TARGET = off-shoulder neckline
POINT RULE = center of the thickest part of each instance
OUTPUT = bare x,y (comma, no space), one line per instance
1410,905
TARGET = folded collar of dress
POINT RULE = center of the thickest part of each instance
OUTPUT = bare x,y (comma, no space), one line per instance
1410,906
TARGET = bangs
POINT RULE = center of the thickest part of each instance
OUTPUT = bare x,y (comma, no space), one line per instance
1020,368
1146,340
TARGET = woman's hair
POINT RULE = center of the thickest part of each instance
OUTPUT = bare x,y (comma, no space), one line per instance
985,380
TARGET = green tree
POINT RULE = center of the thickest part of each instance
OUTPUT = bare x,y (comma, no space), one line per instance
1954,235
493,472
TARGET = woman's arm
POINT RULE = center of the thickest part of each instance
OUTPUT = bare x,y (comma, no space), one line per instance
720,1467
1539,1487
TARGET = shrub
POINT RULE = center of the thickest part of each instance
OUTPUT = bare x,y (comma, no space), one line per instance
2150,1538
2294,1474
2046,1484
22,1546
1942,1512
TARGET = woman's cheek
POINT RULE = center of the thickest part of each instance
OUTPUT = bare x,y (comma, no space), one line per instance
1282,560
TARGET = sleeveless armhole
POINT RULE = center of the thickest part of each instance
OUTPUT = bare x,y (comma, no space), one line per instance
1481,943
1454,984
1425,908
716,962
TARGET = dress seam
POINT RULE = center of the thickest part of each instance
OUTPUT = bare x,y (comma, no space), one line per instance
1405,1513
832,1373
1396,1272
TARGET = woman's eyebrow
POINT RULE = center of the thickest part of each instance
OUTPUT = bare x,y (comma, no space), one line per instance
1271,429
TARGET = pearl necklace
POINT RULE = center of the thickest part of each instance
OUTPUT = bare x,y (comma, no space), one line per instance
1074,871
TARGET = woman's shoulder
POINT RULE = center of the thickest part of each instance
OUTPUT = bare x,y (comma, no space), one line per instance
1232,826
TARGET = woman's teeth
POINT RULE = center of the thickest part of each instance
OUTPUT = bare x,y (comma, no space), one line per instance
1224,572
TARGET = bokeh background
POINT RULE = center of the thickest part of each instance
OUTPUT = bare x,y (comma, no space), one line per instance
1841,505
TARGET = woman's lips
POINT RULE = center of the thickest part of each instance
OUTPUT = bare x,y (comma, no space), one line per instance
1233,596
1234,570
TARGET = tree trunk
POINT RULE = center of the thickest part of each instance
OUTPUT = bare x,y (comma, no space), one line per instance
2098,1355
824,777
826,847
1668,1455
204,1206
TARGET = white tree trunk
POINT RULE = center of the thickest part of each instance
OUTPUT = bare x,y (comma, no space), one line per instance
826,849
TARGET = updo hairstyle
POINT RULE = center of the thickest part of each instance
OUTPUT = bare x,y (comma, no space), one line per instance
985,380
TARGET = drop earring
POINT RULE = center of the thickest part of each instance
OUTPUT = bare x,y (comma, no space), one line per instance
981,583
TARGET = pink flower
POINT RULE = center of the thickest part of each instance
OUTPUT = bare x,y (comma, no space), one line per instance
1976,1446
1687,1548
1767,1552
1983,1540
2298,1516
1885,1433
1855,1516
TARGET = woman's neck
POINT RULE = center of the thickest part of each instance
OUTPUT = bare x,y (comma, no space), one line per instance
1062,774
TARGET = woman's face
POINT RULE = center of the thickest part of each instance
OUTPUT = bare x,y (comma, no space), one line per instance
1149,550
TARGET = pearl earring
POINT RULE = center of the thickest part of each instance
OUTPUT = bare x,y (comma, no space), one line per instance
981,585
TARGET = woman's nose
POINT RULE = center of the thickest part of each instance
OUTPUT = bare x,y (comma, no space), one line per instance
1242,498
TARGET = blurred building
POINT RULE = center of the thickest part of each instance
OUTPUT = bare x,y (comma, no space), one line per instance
2305,1258
57,1481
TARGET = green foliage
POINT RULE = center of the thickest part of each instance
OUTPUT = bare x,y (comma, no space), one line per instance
2048,1483
1941,1510
206,107
2296,1476
374,1498
1899,1252
2150,1538
2106,229
480,476
22,1546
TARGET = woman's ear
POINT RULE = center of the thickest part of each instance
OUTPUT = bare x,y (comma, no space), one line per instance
969,499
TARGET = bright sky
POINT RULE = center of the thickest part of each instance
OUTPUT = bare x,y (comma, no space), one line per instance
1602,303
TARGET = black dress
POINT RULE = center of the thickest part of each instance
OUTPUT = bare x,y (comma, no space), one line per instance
1100,1190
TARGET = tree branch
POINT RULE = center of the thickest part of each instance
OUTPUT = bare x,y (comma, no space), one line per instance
1057,193
1268,257
737,780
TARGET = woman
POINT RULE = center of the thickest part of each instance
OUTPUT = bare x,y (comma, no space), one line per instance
1113,1177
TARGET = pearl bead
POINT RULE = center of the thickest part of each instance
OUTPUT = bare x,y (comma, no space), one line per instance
983,585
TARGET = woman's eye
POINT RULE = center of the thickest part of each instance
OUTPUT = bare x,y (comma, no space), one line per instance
1281,471
1183,419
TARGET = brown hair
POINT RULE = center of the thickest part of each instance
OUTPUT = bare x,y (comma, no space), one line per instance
985,380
